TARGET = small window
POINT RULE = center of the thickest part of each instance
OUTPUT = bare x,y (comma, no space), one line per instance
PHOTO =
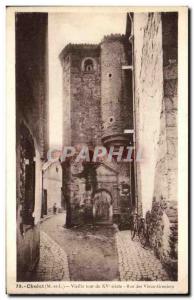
109,75
88,65
111,120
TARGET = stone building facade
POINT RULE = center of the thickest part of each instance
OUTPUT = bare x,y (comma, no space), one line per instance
31,134
52,187
97,108
155,37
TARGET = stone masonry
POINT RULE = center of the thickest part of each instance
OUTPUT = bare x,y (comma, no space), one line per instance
156,78
97,107
136,263
31,133
53,264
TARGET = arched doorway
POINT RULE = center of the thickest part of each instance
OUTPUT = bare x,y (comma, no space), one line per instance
102,207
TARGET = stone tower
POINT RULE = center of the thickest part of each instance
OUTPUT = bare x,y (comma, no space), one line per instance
81,92
97,107
116,107
116,92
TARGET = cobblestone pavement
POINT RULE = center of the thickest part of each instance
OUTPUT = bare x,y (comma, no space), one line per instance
53,264
91,250
136,263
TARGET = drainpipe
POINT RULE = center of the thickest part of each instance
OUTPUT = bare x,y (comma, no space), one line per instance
41,214
133,131
131,39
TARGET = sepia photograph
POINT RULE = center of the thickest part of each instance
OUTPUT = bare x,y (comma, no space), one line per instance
97,115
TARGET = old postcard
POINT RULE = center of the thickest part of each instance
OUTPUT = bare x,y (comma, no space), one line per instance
97,143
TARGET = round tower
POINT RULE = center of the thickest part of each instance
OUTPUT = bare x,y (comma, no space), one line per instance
116,91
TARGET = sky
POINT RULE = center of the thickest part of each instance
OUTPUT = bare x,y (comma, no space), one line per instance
73,27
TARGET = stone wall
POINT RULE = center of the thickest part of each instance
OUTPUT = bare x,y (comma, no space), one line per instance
32,114
32,75
66,117
81,123
28,253
148,99
155,42
117,108
82,95
116,102
97,104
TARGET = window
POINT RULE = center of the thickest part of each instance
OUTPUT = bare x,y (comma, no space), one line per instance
88,65
111,119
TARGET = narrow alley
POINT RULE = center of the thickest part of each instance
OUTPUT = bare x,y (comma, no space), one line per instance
91,252
99,253
98,204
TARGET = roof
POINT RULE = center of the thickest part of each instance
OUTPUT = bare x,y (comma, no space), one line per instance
50,163
114,37
107,38
71,47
